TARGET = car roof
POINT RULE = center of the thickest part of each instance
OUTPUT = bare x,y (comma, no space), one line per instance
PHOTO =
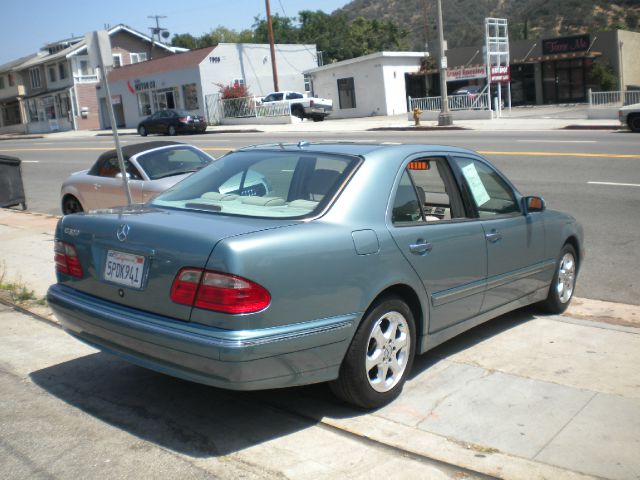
131,150
358,149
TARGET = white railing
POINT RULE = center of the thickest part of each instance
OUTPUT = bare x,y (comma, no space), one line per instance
85,78
613,99
252,107
456,102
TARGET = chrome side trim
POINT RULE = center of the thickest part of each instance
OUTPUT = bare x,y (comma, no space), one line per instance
67,298
499,280
458,293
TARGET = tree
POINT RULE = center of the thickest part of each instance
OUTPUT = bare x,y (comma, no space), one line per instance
284,30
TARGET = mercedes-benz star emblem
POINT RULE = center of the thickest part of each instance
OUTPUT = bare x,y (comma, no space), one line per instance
123,231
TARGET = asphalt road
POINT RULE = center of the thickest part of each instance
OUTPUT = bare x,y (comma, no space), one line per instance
593,175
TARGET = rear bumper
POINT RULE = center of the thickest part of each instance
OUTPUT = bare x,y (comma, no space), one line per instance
192,127
276,357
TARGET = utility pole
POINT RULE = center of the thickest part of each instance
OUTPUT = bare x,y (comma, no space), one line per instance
157,30
444,118
274,68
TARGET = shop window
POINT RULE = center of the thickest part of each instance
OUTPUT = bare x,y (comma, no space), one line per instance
190,93
49,108
117,60
138,57
64,104
144,104
52,74
33,111
62,71
346,93
34,76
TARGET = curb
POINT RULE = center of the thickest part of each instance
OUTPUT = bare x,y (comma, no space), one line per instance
413,128
591,127
20,137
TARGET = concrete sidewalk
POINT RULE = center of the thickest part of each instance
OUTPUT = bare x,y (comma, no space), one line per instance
522,396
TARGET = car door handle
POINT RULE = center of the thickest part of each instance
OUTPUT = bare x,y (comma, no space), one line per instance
493,236
421,247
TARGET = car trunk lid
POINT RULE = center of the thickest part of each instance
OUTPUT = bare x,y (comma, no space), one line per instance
131,255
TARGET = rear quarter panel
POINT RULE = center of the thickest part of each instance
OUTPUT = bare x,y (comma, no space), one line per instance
312,272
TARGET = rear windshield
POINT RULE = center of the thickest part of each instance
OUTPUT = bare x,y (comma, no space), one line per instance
266,184
167,162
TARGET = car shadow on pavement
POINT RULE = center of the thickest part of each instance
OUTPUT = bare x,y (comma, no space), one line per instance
203,421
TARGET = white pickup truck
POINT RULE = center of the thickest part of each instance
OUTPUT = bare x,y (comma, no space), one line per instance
630,116
303,106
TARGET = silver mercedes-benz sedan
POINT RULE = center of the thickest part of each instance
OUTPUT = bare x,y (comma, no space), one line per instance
152,167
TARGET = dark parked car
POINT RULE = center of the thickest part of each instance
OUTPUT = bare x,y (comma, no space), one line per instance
172,122
355,258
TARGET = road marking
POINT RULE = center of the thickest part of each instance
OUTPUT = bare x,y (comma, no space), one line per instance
561,154
30,161
615,184
557,141
483,152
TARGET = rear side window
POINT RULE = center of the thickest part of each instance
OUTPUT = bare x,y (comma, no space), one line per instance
276,184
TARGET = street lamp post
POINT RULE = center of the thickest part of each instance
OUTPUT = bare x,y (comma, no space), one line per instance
444,118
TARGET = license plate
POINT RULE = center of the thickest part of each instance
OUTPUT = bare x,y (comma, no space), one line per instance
124,268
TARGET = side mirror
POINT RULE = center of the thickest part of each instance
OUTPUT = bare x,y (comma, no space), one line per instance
533,204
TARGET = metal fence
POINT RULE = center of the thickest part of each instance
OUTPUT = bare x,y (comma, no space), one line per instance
613,99
252,107
456,102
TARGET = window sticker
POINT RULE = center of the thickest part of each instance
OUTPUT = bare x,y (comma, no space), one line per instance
478,191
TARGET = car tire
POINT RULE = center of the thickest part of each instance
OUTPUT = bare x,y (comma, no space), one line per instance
297,111
71,204
172,130
142,131
634,123
380,356
564,282
318,119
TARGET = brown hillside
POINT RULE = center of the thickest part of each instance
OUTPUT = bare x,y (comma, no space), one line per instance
464,19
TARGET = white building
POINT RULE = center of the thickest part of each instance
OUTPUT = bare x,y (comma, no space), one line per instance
365,86
185,80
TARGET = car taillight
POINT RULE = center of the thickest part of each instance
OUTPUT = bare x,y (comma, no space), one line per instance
66,259
184,119
218,291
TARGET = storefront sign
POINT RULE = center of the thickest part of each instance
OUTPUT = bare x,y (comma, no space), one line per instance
455,74
578,43
140,86
116,99
500,74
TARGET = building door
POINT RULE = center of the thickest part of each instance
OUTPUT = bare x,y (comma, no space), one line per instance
564,81
164,99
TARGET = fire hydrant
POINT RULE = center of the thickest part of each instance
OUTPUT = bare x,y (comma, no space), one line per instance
416,116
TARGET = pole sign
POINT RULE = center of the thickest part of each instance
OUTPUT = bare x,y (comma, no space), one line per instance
455,74
500,74
99,49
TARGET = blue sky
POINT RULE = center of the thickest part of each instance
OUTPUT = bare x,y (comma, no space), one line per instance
29,24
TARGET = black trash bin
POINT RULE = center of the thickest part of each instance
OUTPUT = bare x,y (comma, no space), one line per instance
11,186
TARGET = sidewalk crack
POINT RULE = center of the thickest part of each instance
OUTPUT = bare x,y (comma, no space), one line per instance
564,426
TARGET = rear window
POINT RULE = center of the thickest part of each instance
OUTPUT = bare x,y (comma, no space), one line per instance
266,184
167,162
